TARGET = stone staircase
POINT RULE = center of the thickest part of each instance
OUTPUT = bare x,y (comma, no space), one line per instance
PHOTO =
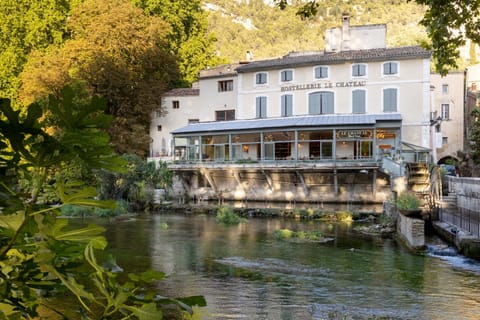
418,178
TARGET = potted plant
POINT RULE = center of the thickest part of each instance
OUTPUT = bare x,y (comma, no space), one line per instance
408,203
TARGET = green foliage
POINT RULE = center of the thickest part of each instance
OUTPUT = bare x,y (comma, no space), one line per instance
407,201
125,59
226,215
25,26
137,183
269,32
40,254
286,234
475,136
189,37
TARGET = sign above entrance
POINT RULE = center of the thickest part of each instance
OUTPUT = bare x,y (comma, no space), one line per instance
324,85
348,134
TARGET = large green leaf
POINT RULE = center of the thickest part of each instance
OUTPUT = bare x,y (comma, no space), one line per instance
89,234
12,222
146,312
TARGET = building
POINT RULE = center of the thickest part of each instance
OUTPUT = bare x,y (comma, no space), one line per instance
447,119
331,125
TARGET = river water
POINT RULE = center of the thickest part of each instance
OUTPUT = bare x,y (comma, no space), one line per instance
245,273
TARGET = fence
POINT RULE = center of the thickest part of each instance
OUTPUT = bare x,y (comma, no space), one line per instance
465,214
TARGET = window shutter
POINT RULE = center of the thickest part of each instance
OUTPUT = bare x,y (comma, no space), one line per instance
358,101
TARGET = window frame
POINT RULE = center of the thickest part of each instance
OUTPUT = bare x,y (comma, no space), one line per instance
258,78
321,67
286,72
359,65
445,111
286,105
445,88
396,63
323,109
261,107
397,96
225,115
364,101
175,104
225,85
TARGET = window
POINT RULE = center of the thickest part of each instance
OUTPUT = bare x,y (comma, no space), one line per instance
445,88
321,72
390,100
444,140
286,75
261,107
193,121
320,102
159,128
226,85
224,115
287,105
359,70
445,111
158,114
175,104
358,101
390,68
261,78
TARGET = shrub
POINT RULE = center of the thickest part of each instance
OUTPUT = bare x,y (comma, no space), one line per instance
227,216
407,201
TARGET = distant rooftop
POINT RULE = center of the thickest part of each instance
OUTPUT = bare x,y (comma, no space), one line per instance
219,71
297,59
180,92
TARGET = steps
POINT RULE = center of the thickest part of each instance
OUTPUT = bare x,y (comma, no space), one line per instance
418,177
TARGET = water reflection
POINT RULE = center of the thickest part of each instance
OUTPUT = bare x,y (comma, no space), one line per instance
245,273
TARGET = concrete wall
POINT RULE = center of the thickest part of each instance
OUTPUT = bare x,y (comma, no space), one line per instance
411,231
467,191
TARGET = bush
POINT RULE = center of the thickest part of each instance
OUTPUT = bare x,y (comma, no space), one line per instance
407,201
227,216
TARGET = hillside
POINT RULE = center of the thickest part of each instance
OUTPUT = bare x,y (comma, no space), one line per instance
266,31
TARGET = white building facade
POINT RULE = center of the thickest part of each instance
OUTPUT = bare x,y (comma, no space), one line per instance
305,125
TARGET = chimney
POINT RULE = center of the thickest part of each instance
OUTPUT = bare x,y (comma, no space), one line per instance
345,31
249,55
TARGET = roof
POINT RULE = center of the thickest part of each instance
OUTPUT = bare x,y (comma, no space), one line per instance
288,122
220,71
179,92
321,57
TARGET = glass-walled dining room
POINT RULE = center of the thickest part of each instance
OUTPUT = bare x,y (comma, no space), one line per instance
337,144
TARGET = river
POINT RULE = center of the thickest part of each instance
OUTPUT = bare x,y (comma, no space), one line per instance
244,272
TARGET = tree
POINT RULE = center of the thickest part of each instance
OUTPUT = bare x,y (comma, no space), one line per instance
25,26
39,254
124,59
475,135
448,24
189,37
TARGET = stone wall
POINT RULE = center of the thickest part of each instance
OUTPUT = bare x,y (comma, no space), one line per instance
284,186
411,231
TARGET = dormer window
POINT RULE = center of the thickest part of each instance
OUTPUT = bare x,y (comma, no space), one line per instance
390,68
286,75
359,70
261,78
321,72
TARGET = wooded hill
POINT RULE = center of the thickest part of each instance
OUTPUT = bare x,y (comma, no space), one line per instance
267,31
